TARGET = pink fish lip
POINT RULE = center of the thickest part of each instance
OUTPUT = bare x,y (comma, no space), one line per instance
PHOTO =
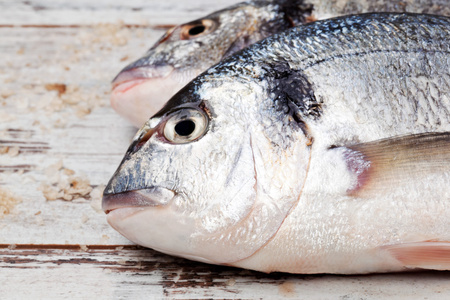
131,77
149,197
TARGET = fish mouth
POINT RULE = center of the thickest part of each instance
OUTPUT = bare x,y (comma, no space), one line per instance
149,197
130,77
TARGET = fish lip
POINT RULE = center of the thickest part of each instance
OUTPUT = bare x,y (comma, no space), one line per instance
149,197
130,77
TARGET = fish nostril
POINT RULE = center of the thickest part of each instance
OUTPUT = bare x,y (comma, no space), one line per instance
145,137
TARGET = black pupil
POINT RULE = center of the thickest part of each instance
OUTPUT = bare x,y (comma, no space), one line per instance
185,128
196,30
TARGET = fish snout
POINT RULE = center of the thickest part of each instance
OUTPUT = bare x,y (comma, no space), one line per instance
149,197
126,188
138,72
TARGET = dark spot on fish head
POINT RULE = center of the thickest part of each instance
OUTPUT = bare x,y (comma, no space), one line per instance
293,94
289,13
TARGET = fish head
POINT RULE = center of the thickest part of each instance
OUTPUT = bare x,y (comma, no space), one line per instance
143,87
212,176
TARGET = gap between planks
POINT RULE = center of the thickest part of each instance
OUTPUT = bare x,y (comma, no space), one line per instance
155,27
67,247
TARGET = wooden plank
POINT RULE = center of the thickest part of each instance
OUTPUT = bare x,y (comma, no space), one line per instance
75,127
83,12
137,273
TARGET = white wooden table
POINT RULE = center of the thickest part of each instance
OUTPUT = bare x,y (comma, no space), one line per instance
60,139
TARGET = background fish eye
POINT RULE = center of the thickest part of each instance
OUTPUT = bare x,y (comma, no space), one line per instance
185,125
197,28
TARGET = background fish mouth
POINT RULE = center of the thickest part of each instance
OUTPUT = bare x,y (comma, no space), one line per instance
154,196
138,93
130,77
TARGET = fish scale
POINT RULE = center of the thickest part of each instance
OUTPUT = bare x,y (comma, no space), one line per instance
399,101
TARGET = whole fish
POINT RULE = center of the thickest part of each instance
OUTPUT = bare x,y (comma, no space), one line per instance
323,149
144,86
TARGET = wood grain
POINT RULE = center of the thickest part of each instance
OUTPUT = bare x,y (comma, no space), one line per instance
81,12
75,127
116,272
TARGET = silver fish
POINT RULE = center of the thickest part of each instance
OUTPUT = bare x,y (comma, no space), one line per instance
144,86
323,149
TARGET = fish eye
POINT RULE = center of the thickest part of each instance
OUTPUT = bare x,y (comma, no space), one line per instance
197,28
185,128
185,125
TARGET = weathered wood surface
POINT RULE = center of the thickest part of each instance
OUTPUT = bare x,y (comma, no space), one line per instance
88,12
77,128
57,130
136,273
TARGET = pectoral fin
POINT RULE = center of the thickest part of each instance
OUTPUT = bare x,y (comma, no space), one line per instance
424,255
383,165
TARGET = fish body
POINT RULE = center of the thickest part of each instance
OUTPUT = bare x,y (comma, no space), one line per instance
144,86
322,149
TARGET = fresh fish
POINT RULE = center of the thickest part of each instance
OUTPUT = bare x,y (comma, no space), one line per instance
323,149
144,86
